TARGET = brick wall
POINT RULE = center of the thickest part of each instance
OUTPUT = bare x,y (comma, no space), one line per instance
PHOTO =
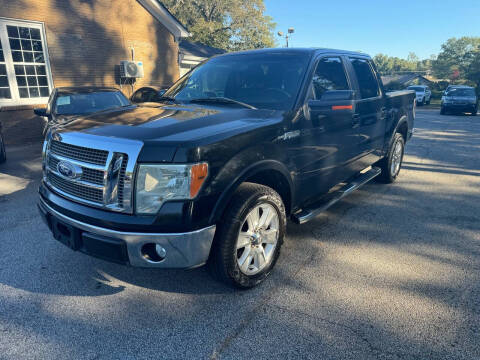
86,40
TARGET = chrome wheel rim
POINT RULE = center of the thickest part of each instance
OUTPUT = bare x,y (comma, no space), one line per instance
396,158
257,239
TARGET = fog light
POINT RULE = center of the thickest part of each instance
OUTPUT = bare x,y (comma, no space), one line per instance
160,251
153,253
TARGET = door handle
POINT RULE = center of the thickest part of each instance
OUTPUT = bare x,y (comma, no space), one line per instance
355,120
383,112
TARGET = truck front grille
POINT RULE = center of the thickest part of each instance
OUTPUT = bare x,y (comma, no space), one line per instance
94,180
74,189
80,153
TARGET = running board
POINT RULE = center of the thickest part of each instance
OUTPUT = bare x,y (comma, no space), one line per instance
309,213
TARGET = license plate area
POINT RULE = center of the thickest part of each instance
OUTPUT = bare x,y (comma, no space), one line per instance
66,234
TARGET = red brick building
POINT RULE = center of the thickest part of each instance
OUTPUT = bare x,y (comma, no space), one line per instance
53,43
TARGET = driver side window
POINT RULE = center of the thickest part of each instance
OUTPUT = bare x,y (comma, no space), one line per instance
329,75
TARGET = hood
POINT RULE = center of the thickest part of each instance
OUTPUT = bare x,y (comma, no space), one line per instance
461,98
171,126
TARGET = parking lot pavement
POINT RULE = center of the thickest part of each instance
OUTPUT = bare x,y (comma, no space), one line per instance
390,272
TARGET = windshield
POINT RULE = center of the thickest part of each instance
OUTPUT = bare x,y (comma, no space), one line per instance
265,81
87,103
416,88
461,92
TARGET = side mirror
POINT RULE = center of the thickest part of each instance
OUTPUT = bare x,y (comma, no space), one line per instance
338,95
41,112
332,102
162,92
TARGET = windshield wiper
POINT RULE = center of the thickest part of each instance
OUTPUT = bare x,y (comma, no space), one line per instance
166,98
222,100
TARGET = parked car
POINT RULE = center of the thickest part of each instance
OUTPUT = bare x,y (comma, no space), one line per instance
3,153
66,103
242,142
147,94
459,99
423,94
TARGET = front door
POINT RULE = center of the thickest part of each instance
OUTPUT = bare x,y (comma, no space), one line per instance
326,141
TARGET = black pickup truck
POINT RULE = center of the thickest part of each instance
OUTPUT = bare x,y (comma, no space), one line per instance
210,173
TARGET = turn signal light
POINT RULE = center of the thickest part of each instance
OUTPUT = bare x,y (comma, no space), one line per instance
198,175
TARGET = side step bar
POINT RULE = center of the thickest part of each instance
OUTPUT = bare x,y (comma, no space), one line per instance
309,213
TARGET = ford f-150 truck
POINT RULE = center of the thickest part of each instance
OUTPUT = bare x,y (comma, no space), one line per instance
210,173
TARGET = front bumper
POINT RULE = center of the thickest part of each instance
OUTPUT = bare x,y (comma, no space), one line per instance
460,107
182,250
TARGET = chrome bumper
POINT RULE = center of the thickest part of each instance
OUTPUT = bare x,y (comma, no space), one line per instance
182,250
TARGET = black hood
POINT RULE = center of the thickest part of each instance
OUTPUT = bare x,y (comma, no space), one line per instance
173,126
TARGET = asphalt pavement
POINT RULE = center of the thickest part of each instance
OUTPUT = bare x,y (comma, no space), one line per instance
390,272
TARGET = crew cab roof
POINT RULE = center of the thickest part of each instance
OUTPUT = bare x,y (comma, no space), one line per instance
306,51
85,89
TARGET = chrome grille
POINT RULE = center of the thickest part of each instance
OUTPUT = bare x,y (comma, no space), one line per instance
79,153
122,180
99,170
75,189
92,176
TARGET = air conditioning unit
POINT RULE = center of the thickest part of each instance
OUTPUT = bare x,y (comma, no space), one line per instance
131,69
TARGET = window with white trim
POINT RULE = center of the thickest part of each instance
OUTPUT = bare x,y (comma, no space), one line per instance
25,76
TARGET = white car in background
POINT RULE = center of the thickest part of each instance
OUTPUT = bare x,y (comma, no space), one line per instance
423,94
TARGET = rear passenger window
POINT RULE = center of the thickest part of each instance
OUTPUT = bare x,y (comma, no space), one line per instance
366,79
329,75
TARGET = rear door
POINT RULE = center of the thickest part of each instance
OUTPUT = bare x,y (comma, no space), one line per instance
371,112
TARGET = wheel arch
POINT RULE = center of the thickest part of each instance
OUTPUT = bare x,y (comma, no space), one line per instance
271,173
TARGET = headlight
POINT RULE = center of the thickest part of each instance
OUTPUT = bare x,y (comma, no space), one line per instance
159,183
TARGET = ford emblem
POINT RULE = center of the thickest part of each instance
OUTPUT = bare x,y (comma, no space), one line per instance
69,170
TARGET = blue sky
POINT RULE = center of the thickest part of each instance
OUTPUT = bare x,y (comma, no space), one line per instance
392,27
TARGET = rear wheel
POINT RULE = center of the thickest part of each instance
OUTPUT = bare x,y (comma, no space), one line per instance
392,163
249,237
3,153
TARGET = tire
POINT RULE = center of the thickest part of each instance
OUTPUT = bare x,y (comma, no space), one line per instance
390,173
3,153
226,255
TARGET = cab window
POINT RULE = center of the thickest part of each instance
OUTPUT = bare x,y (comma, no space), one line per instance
366,78
329,75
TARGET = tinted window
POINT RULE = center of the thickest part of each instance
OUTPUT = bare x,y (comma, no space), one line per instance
329,75
86,103
416,88
461,92
266,81
366,79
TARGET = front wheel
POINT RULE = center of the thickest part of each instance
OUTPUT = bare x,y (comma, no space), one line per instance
392,163
249,237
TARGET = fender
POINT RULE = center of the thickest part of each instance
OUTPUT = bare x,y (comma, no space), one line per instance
250,171
403,120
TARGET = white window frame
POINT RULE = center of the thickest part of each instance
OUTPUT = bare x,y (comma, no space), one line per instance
12,80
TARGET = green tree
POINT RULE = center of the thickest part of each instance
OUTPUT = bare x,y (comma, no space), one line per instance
473,69
391,65
226,24
456,57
